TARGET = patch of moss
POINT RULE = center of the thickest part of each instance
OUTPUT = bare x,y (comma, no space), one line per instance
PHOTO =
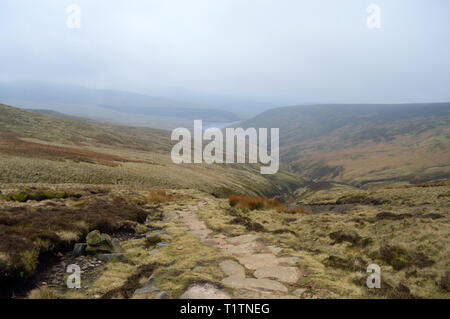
37,195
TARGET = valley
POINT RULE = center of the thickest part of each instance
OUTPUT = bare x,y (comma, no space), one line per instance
109,199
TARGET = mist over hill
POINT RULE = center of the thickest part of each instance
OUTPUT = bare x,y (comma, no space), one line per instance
111,105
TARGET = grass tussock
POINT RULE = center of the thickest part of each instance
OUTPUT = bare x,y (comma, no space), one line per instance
246,204
43,292
132,283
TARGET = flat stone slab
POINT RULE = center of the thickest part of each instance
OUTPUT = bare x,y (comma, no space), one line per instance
289,260
254,284
206,291
242,239
274,249
243,249
214,242
265,284
232,269
256,261
281,273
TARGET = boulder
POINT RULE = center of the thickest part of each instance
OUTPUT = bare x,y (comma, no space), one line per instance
116,245
152,239
98,243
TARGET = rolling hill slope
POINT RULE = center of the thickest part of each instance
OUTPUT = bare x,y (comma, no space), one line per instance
361,144
39,148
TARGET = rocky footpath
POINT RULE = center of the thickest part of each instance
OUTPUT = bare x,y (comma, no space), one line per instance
253,270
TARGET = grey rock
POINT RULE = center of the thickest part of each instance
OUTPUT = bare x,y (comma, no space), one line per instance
204,291
149,282
180,247
162,244
154,251
299,292
162,295
79,249
145,291
159,232
198,268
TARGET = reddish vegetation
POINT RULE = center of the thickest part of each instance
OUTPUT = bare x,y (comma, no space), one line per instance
420,185
160,196
10,144
252,203
246,203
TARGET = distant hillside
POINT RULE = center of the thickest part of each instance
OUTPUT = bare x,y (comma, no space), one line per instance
69,130
110,105
363,143
40,148
58,114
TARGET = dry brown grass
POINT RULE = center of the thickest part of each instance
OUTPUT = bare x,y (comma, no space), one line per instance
246,203
405,156
160,196
43,292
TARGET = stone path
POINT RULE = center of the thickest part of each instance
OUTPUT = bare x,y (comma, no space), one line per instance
272,275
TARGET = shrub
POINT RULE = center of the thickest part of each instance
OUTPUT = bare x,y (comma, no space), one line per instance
252,203
160,196
260,203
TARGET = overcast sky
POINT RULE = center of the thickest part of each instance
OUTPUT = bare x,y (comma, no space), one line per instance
292,50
